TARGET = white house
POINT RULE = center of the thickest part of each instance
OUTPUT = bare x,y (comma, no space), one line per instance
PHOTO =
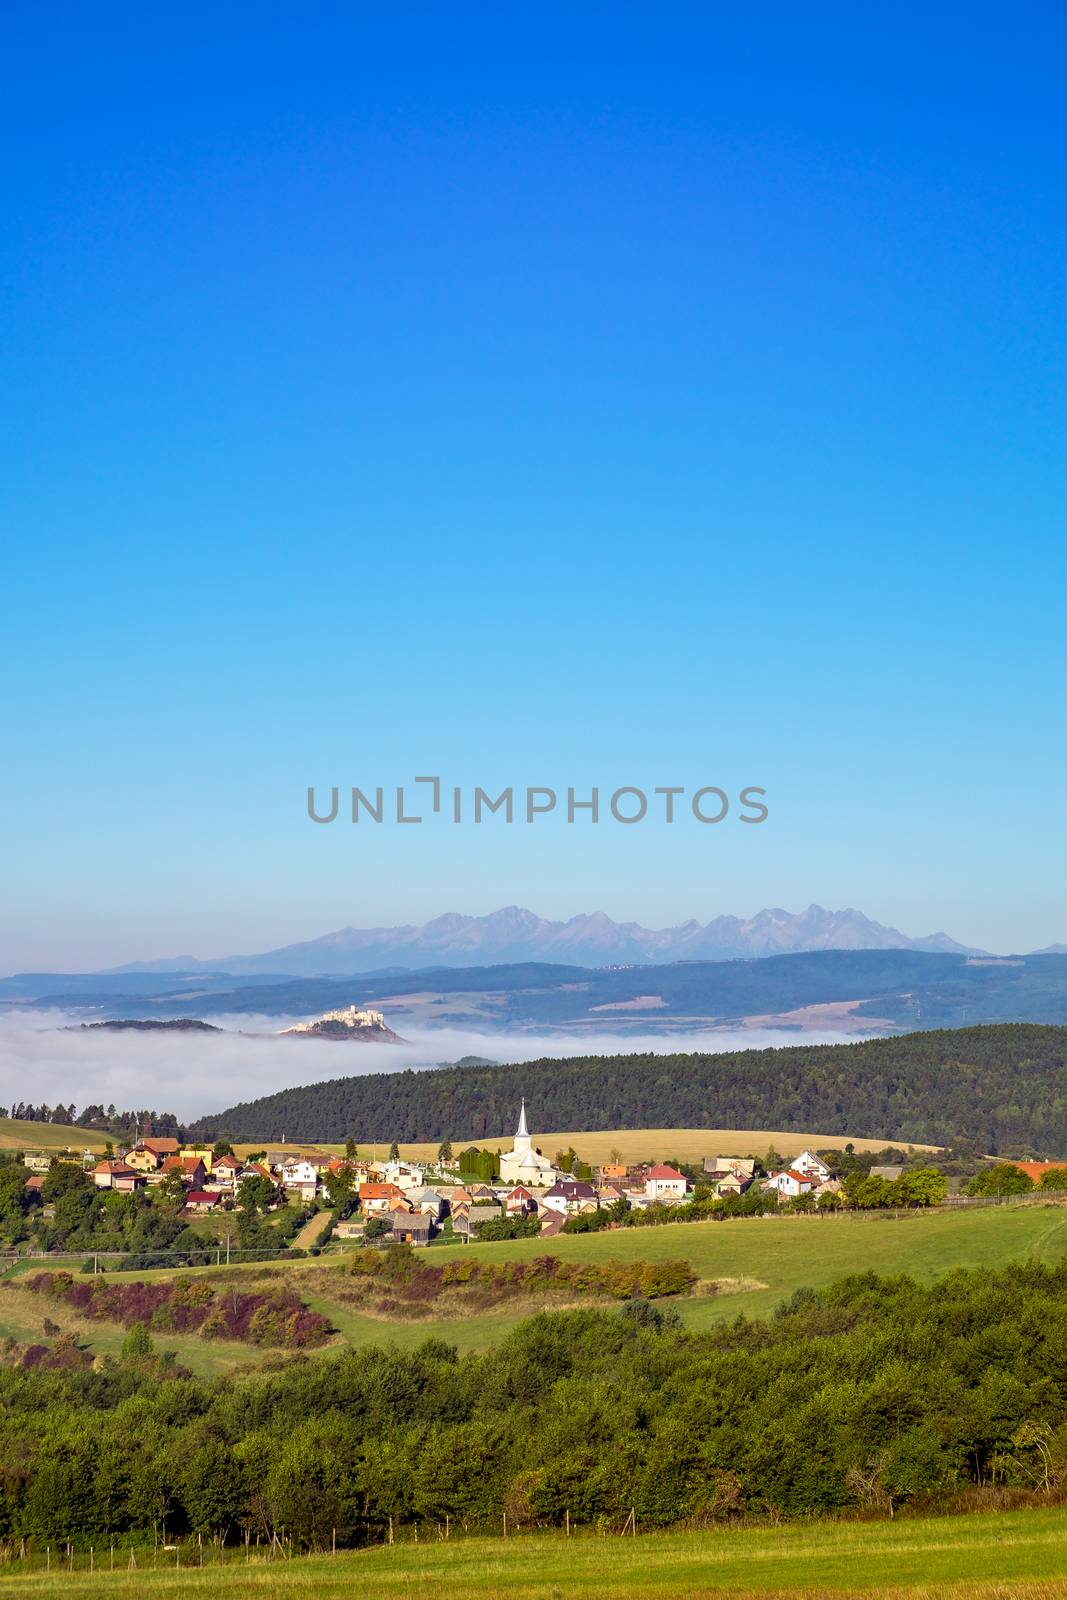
404,1174
299,1177
665,1184
809,1164
790,1184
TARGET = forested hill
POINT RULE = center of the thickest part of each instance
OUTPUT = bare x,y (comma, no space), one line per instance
1004,1086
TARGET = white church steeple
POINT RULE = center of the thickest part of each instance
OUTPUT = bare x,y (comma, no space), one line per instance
522,1164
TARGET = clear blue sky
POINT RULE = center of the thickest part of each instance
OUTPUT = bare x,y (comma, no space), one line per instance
577,394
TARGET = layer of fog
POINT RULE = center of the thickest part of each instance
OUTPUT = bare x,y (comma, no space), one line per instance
192,1074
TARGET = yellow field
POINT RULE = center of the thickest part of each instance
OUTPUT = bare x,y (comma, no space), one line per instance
47,1136
640,1144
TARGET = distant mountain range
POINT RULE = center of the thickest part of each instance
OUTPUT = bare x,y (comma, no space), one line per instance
517,935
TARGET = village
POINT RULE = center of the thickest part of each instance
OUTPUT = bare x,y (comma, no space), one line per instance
416,1202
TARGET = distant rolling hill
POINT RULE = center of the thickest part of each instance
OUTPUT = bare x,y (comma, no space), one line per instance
866,991
1003,1086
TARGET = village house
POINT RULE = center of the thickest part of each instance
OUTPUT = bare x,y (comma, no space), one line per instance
614,1171
428,1202
519,1202
37,1160
109,1174
128,1181
300,1178
414,1229
375,1198
729,1183
570,1197
163,1144
810,1165
201,1200
190,1169
718,1167
352,1228
1035,1170
665,1186
255,1169
224,1173
469,1221
790,1184
404,1174
204,1151
142,1158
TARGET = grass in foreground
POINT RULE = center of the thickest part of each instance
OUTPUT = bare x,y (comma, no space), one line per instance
1022,1554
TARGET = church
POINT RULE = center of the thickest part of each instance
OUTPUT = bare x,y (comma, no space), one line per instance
523,1164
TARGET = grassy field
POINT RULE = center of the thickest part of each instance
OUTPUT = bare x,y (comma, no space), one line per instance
639,1144
47,1136
754,1263
1021,1554
22,1315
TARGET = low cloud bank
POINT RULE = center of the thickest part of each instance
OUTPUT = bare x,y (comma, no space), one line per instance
194,1074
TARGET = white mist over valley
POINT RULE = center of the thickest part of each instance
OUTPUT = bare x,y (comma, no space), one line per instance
193,1074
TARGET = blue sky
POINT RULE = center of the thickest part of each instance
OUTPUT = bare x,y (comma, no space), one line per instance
611,395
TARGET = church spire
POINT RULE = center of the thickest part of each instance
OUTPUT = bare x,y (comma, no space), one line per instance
522,1132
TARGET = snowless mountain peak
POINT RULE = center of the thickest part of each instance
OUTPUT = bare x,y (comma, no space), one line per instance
591,939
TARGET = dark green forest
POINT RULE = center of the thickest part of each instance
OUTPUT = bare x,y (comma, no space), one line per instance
869,1395
1003,1087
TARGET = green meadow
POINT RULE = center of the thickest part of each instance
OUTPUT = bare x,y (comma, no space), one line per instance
748,1265
1021,1554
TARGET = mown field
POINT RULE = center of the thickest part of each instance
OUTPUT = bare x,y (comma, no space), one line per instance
641,1144
47,1136
1021,1554
753,1264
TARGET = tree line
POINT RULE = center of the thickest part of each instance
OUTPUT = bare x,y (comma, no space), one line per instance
863,1397
1003,1087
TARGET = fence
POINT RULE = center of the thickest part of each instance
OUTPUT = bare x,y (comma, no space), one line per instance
194,1551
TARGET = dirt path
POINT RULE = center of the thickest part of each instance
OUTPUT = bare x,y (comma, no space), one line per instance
312,1231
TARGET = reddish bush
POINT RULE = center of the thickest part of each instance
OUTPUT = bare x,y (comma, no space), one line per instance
194,1305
